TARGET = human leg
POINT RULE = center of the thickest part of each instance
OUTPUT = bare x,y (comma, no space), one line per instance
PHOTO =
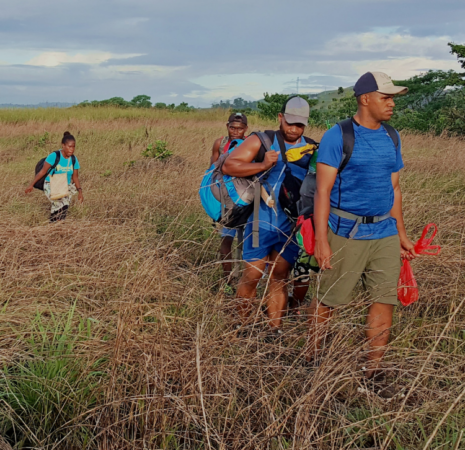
225,254
318,318
59,208
301,274
380,280
277,294
60,214
335,286
379,322
247,287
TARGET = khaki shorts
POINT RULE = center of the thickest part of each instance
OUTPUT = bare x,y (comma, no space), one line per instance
376,262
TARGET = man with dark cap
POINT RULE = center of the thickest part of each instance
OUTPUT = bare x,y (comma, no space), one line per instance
237,127
359,227
276,247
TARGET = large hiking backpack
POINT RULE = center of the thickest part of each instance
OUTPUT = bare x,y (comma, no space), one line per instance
307,192
39,166
226,199
232,200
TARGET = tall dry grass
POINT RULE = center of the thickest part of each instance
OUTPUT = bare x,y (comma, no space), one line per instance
114,333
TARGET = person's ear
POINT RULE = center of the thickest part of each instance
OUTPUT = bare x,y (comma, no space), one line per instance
365,99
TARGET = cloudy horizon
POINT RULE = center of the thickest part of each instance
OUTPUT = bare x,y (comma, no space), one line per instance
209,50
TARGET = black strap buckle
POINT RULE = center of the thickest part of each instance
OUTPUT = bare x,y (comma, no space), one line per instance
368,219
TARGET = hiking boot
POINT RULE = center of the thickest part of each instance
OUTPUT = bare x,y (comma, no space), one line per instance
381,387
386,390
243,331
273,336
313,361
292,308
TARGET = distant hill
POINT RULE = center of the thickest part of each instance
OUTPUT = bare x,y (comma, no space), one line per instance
325,98
38,105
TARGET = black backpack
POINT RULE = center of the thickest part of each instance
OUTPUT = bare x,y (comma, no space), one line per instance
289,194
307,191
39,166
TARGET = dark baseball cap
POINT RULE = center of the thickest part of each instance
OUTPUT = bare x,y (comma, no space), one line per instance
296,110
238,117
377,82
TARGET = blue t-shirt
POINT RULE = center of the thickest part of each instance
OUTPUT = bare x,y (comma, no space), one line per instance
365,186
64,166
269,220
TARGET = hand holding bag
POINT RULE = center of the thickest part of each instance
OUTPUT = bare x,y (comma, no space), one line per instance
407,288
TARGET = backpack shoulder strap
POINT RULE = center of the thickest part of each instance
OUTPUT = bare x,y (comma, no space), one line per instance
309,140
57,159
223,143
282,146
392,134
73,160
55,164
348,142
266,138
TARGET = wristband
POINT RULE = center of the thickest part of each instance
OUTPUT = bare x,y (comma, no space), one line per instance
79,189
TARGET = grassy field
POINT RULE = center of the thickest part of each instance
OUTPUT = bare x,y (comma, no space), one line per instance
114,333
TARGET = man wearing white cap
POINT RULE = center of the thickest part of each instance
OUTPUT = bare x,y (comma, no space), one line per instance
359,227
276,246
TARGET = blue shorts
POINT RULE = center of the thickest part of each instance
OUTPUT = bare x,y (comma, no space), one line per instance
228,232
268,241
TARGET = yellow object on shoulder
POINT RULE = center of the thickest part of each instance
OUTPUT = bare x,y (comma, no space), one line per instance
294,154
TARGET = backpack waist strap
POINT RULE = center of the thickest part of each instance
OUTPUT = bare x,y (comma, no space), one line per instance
358,219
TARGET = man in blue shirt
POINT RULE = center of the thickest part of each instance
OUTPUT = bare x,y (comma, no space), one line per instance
359,228
276,246
237,127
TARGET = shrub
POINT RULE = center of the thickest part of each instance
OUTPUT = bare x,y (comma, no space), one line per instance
50,389
157,150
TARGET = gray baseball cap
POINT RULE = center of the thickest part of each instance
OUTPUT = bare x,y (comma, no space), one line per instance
296,110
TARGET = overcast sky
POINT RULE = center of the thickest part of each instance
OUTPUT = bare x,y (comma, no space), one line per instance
205,50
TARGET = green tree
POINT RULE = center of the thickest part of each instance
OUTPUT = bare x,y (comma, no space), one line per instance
459,51
424,107
340,90
141,101
273,104
184,107
114,101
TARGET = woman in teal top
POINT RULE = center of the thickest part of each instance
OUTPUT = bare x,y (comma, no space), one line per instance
68,164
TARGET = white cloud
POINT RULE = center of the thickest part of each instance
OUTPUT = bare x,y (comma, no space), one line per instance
393,43
401,69
52,59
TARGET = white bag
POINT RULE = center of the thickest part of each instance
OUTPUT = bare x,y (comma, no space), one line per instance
59,186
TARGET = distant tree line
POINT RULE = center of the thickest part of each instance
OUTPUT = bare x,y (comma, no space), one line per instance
140,101
238,105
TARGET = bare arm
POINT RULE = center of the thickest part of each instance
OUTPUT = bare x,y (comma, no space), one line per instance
406,245
325,178
240,161
215,151
39,175
75,179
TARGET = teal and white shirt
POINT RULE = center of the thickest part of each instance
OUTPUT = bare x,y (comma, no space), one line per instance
64,166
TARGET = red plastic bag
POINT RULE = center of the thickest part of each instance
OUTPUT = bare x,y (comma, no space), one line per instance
407,288
305,234
423,243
